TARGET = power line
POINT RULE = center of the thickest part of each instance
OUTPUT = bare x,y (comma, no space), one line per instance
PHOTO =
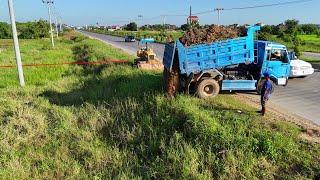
253,7
269,5
163,16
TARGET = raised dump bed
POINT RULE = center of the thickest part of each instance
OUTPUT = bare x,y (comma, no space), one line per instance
203,57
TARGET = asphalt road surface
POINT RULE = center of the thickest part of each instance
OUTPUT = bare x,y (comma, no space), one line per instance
312,55
130,47
301,96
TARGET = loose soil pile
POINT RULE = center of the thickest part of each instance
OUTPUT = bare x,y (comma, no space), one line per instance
208,35
171,80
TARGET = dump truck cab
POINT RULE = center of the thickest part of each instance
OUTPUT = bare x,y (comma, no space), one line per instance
274,58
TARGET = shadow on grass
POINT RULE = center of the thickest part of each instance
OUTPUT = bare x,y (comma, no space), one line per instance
108,88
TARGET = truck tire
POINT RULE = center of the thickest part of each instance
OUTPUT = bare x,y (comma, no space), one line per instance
260,84
208,88
286,83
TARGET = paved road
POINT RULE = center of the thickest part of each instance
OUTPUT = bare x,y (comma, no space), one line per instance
130,47
301,96
312,55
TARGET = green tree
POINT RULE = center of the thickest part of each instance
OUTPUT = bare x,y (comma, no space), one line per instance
264,36
267,29
5,32
297,45
131,27
42,29
308,29
291,26
33,30
185,27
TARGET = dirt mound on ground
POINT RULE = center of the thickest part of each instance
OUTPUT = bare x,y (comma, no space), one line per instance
208,35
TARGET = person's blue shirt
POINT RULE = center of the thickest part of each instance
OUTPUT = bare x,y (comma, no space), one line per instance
266,90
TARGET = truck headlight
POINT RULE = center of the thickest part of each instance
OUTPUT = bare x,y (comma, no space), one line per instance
295,68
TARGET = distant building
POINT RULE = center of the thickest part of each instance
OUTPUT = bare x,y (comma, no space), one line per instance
114,28
261,24
193,19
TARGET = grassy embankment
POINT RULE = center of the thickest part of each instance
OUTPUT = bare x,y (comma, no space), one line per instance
114,122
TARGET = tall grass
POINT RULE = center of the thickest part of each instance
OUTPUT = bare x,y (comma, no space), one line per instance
117,123
40,52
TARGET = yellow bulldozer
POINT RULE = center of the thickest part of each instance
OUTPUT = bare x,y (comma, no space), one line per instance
147,58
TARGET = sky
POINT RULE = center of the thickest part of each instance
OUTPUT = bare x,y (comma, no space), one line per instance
119,12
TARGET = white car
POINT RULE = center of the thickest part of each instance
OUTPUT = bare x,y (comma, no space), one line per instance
300,68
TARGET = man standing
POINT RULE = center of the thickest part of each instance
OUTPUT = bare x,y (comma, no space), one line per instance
266,92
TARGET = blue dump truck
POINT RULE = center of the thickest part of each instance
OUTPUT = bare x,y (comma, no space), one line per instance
229,65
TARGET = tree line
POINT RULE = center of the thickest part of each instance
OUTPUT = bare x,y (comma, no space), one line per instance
28,30
289,31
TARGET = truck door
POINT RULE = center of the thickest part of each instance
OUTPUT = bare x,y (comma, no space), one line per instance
278,65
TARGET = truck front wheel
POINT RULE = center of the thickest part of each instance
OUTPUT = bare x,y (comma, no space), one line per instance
208,88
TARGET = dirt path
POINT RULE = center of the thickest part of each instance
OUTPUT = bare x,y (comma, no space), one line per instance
311,131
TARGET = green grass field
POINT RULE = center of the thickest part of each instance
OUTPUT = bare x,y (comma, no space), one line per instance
41,52
114,122
310,43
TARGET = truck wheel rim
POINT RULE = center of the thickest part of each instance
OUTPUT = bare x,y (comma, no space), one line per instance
209,89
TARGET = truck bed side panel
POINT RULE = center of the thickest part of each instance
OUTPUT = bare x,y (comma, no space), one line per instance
202,57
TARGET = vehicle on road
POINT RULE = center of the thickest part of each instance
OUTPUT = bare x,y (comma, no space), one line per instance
130,39
300,68
232,64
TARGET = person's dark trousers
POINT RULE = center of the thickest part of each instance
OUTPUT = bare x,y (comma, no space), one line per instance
263,104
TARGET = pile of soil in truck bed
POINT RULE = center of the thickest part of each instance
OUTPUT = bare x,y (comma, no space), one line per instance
195,36
208,35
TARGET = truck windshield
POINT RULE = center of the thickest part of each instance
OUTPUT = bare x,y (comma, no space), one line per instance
278,55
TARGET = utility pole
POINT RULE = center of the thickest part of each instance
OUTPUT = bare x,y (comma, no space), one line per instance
190,16
219,11
164,17
16,43
49,3
140,18
57,30
56,23
61,28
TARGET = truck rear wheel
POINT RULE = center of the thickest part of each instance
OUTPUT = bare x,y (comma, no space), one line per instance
208,88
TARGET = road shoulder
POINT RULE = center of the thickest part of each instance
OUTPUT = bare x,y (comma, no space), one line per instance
311,131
